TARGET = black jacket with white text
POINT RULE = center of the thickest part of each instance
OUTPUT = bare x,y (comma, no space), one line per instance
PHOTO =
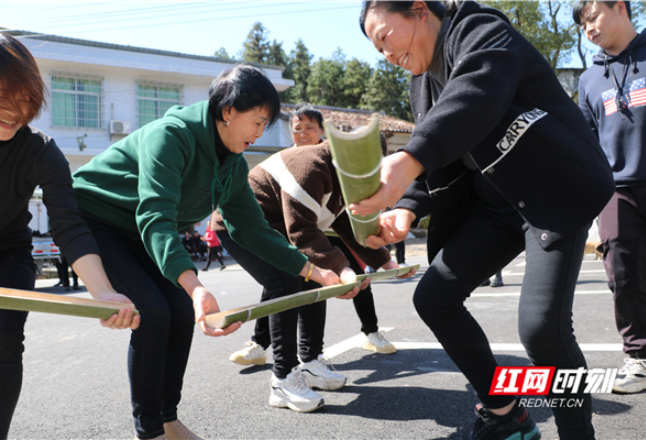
503,110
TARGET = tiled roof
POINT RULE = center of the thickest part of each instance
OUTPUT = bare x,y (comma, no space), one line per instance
352,118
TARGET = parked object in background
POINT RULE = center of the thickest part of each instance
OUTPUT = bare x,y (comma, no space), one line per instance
44,251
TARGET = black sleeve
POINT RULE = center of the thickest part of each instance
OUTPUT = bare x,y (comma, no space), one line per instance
68,228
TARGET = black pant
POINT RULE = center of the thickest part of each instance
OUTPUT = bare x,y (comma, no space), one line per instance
214,252
400,252
17,271
364,302
159,348
310,319
622,230
63,273
489,238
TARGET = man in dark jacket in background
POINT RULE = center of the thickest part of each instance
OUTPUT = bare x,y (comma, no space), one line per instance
612,96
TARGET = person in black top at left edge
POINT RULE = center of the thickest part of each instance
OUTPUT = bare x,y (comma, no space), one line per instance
527,174
29,158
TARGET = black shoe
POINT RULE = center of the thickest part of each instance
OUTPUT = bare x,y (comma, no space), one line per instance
517,425
485,283
222,267
206,269
77,287
60,283
68,288
497,282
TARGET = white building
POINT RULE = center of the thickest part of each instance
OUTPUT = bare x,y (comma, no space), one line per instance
98,92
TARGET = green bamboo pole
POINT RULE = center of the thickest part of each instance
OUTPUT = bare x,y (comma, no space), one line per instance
277,305
29,301
387,274
357,159
248,313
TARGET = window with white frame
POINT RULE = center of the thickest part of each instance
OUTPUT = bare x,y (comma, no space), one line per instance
76,102
155,99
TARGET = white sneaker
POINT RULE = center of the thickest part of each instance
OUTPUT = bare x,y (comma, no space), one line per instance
632,377
252,354
317,374
293,393
377,342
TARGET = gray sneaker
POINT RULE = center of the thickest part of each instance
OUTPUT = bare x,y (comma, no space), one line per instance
632,377
293,393
318,374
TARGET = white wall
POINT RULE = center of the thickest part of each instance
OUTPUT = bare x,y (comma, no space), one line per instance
119,72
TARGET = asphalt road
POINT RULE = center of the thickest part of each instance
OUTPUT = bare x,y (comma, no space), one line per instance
76,386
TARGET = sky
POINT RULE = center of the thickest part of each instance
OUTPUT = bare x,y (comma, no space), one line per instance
200,27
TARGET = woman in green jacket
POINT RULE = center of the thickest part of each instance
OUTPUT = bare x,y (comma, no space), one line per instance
161,179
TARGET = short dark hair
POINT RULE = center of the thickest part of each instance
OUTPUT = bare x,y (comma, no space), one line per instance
305,110
577,10
243,87
437,8
20,78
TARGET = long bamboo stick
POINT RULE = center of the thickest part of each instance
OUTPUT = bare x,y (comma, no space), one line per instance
357,159
30,301
243,314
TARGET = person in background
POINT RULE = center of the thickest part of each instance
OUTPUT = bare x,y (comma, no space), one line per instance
178,169
610,98
300,195
188,243
307,130
215,248
63,267
400,252
201,247
495,282
488,193
28,159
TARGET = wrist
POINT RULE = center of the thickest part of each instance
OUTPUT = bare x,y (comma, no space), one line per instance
413,166
99,294
189,281
310,270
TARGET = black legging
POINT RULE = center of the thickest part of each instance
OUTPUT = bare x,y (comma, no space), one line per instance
214,252
483,244
17,271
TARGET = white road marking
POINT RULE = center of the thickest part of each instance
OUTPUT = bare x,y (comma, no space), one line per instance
357,342
581,271
347,345
576,292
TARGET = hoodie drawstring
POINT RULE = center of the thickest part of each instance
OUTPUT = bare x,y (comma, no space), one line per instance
223,189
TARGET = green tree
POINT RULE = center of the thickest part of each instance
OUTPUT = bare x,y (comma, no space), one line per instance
541,23
256,47
298,67
387,91
222,54
356,77
324,86
276,55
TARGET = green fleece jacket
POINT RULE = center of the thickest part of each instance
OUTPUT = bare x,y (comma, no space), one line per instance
166,177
